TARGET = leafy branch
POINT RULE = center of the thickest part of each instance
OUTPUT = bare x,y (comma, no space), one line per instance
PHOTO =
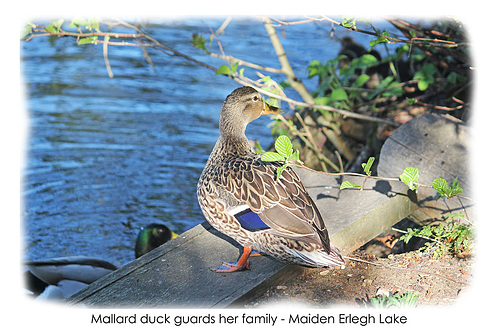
288,157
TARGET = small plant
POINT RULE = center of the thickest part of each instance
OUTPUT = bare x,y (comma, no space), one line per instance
451,236
410,177
366,168
407,299
448,191
284,154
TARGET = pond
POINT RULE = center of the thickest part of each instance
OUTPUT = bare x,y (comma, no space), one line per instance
106,156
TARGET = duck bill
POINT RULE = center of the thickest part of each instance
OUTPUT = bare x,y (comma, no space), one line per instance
270,110
174,235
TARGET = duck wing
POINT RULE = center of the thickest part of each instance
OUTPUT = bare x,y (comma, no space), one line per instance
282,204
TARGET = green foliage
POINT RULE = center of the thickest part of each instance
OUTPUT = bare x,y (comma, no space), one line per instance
198,42
349,22
368,165
407,299
448,191
425,76
380,39
231,70
342,82
28,29
410,177
88,40
349,184
366,168
89,24
55,26
451,236
284,154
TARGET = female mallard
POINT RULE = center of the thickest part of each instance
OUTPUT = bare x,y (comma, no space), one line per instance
241,197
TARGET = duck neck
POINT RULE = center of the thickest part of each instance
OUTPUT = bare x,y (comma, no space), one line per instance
230,146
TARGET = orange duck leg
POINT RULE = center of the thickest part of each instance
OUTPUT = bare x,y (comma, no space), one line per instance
242,264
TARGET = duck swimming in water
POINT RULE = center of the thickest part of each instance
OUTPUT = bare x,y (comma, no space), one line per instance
241,196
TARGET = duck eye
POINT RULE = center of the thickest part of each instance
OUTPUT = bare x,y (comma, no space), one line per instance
255,98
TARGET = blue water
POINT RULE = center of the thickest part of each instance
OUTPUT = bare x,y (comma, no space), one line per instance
107,156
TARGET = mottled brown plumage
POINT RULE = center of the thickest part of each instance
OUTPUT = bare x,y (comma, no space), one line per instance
241,197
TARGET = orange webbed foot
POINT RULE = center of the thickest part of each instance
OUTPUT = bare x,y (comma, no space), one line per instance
242,264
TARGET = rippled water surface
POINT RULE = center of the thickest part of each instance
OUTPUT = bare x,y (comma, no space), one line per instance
107,156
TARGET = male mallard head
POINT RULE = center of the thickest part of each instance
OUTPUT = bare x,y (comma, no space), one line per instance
152,236
242,106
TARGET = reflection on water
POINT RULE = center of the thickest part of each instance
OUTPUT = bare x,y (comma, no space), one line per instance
107,156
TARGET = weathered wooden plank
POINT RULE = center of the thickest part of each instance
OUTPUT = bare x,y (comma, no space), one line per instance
177,274
438,145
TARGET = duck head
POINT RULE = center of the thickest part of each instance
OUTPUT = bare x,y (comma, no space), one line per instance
152,236
241,107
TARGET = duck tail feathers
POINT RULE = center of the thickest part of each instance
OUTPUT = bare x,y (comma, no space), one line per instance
321,258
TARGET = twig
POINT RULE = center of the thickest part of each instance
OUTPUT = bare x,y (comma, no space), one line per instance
286,68
223,26
320,155
105,55
146,55
311,139
301,165
233,60
344,113
340,161
411,41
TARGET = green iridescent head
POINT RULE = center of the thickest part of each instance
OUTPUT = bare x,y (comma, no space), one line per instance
152,236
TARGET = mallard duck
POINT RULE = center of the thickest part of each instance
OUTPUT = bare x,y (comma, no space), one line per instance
241,197
152,236
60,278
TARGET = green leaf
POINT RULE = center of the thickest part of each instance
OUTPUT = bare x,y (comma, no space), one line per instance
422,85
198,42
454,78
27,30
272,156
283,146
349,184
339,94
224,69
411,100
314,68
442,187
323,100
365,60
393,89
295,156
425,76
349,22
368,165
92,23
87,40
234,67
279,170
380,39
410,177
361,80
54,27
